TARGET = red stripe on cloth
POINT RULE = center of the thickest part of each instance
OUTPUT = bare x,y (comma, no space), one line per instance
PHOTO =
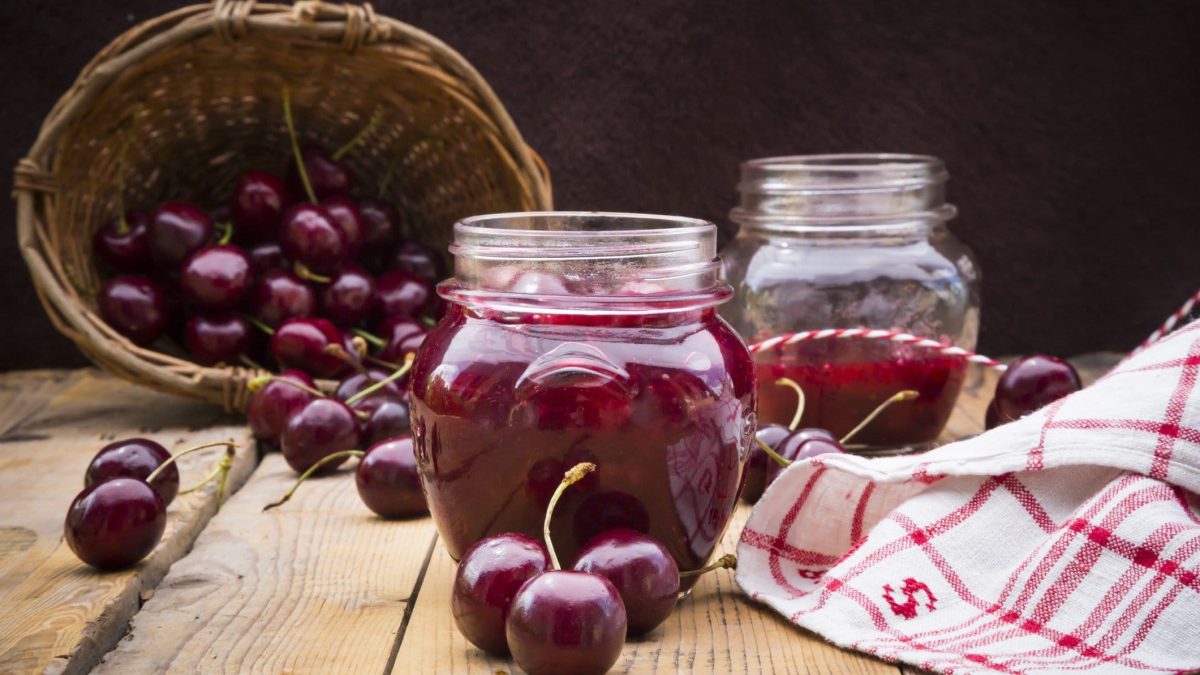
856,525
1174,414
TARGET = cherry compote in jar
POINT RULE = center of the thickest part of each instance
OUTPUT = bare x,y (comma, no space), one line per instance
584,337
850,241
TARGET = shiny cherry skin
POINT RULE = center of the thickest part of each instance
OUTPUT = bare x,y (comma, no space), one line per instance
353,384
257,205
301,343
349,297
310,236
216,277
380,221
415,258
135,458
387,480
566,622
389,419
266,256
217,337
114,524
402,335
402,293
176,231
327,177
279,295
124,248
1030,383
489,575
759,463
319,429
799,445
272,406
135,306
641,569
345,214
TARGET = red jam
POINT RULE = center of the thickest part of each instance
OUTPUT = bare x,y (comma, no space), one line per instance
844,380
504,403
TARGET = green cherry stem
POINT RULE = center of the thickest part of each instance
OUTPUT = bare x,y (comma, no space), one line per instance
788,382
772,454
371,338
904,395
254,321
304,476
571,477
260,382
387,178
338,352
362,133
291,127
171,460
226,230
400,372
725,562
307,274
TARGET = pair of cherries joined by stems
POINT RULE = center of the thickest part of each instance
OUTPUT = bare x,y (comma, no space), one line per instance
297,259
511,594
121,514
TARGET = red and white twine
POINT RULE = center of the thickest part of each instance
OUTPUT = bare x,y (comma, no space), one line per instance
1168,325
877,334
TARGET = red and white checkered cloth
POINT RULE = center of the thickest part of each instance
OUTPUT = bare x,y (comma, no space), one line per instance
1066,541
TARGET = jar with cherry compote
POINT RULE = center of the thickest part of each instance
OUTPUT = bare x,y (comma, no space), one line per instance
584,337
850,241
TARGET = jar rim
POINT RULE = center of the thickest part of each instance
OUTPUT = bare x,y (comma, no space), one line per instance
674,224
833,172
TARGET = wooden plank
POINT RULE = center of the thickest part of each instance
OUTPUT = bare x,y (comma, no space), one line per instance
319,584
24,392
59,615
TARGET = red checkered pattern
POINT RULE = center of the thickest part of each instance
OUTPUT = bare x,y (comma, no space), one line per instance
1065,541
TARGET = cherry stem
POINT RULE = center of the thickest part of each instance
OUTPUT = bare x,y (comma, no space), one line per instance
341,354
387,177
379,362
373,339
304,476
260,382
572,476
170,460
400,372
362,133
772,454
226,230
307,274
221,471
122,152
291,127
429,321
725,562
788,382
249,362
904,395
254,321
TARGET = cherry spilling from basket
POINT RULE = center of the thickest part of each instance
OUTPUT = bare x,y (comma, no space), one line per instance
289,268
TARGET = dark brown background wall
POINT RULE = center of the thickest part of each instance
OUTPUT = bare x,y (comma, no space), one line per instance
1070,128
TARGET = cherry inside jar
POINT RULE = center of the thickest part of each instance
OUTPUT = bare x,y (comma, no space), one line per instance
577,337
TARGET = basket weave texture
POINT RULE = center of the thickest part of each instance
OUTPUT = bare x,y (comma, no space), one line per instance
193,98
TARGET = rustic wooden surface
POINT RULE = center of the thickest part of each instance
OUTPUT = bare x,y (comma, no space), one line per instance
317,585
59,615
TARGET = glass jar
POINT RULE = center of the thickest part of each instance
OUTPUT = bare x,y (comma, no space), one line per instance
850,241
576,337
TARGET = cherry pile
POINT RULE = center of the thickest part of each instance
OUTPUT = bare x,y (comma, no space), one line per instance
121,514
512,596
286,269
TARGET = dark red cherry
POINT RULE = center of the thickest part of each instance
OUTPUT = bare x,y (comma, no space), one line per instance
402,335
641,569
991,418
389,419
414,258
216,277
266,256
271,407
566,622
218,337
124,247
1031,382
134,458
349,297
489,575
345,214
319,429
380,221
176,231
114,524
279,295
388,482
402,293
802,444
353,384
257,206
301,343
760,462
310,236
327,176
135,306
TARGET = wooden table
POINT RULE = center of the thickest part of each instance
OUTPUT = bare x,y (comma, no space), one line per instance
318,585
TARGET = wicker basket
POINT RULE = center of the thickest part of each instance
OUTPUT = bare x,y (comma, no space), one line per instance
195,95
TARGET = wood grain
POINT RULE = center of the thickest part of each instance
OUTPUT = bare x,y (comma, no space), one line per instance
319,584
59,615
